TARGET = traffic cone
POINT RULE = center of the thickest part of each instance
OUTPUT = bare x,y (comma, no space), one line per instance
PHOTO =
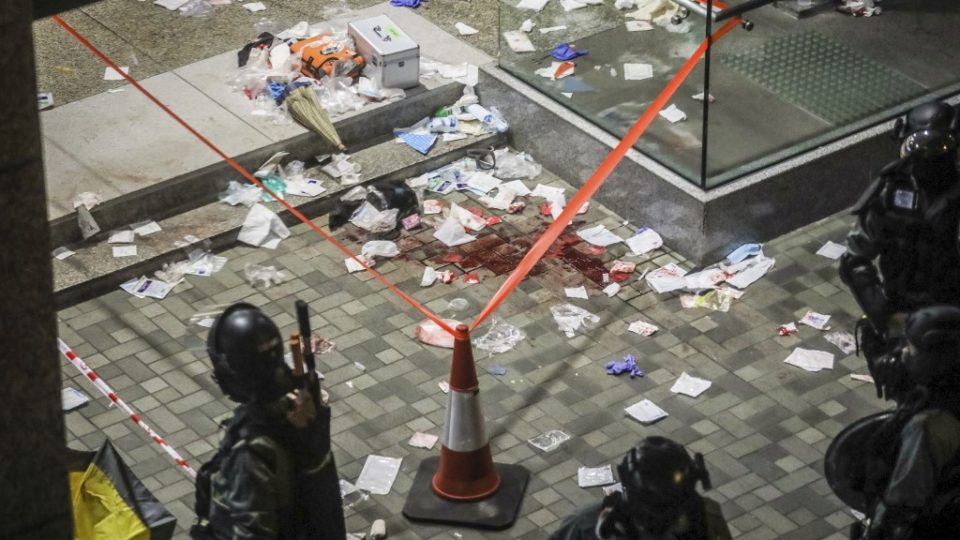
466,471
463,486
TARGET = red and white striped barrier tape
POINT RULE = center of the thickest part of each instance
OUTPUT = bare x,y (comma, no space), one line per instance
107,391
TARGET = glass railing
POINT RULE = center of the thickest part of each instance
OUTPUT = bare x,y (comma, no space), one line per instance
780,89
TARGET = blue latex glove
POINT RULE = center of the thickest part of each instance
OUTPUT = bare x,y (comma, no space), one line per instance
627,365
743,252
405,3
565,51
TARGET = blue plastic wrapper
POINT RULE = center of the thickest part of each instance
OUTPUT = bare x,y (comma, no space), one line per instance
405,3
743,252
627,365
565,51
497,370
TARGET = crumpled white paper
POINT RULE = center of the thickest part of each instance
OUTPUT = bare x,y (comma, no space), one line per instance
262,228
689,385
451,233
669,277
599,235
380,248
646,411
810,360
644,241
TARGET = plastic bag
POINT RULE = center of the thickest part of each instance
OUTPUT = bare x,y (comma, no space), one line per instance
263,276
368,218
511,165
550,440
501,337
458,304
342,168
570,318
594,476
351,495
338,96
196,8
380,248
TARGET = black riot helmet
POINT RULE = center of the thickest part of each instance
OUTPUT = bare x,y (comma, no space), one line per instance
247,354
659,483
928,134
933,346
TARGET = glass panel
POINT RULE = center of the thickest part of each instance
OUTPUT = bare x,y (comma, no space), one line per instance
784,88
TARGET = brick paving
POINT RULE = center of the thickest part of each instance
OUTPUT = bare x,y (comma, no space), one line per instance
763,426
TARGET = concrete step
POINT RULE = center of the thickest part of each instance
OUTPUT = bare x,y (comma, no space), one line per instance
196,188
93,270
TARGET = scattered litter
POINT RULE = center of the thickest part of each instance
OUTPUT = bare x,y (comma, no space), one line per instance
843,340
116,90
644,241
143,287
71,398
497,370
570,5
599,235
627,365
466,30
613,72
699,97
451,233
458,304
187,240
444,387
518,41
172,5
87,199
612,289
570,318
557,70
832,250
44,100
262,277
350,494
343,168
547,192
423,440
254,7
354,266
471,279
432,206
371,219
576,292
638,72
430,333
566,51
110,74
307,187
121,237
446,276
689,385
534,5
549,441
673,114
638,26
615,488
751,271
262,228
815,320
621,269
595,476
527,25
646,412
548,29
378,530
378,474
742,253
704,279
482,183
669,277
145,228
788,329
421,142
643,328
429,277
62,253
380,248
715,299
124,251
810,360
500,338
237,193
862,378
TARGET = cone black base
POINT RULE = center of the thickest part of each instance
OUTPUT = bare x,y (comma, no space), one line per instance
498,511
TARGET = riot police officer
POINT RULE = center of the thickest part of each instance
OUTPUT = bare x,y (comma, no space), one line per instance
910,487
903,252
275,446
659,500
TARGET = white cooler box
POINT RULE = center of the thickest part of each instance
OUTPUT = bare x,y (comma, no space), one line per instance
392,57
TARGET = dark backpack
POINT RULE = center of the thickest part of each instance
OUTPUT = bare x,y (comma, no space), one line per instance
201,529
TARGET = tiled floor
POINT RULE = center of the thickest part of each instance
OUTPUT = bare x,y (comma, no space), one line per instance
763,425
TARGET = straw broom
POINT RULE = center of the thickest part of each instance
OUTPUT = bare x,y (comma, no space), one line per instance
305,108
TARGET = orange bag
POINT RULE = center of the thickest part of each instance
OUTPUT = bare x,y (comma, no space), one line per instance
319,54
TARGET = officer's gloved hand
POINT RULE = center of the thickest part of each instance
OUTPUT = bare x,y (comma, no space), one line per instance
890,376
310,446
869,341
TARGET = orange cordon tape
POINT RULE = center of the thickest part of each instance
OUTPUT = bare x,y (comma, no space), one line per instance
597,179
246,174
113,397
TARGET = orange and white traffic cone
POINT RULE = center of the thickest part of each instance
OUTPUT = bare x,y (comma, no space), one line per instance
466,471
464,486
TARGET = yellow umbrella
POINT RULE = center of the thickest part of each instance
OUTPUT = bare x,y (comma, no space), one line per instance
306,109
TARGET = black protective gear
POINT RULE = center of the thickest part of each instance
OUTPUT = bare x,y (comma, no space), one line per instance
893,523
933,340
247,355
890,375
